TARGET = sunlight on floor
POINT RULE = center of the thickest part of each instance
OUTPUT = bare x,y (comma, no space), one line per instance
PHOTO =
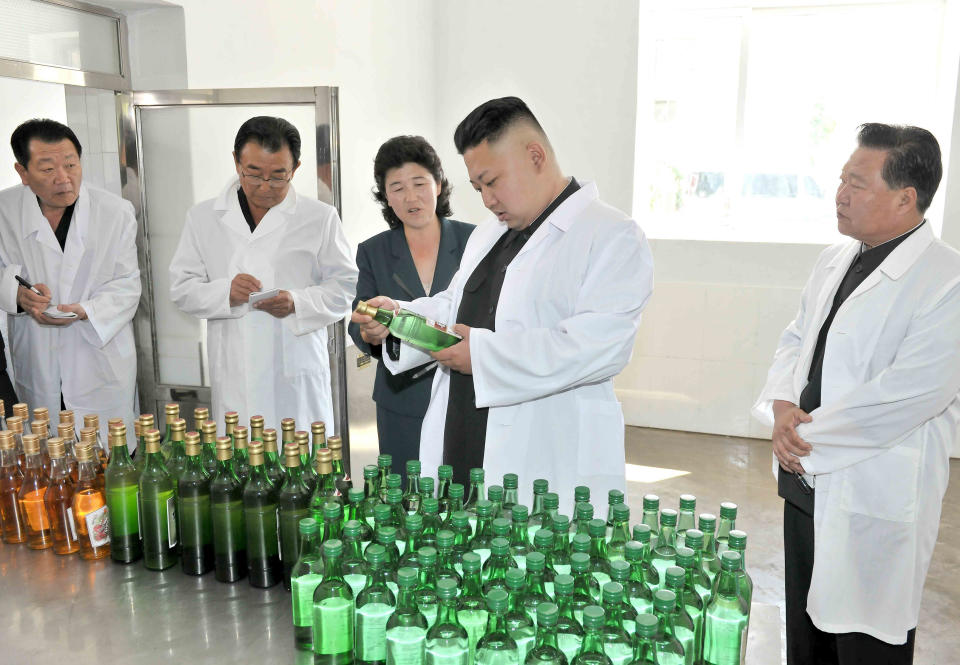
637,473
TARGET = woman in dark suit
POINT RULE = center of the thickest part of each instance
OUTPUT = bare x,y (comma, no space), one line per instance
417,257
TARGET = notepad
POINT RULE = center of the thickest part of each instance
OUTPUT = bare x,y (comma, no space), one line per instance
55,313
257,296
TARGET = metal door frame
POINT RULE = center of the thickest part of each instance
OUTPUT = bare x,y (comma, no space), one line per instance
129,105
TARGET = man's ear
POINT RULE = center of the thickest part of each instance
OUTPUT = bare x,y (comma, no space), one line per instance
907,200
21,171
537,154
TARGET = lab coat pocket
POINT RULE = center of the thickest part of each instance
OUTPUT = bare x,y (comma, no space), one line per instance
304,354
884,487
600,438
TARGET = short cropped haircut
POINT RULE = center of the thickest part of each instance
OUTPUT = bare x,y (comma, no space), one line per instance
42,129
490,120
271,134
402,150
913,158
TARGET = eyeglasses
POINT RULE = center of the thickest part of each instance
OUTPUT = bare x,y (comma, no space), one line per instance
273,183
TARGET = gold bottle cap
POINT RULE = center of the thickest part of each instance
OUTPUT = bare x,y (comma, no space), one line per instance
15,424
65,430
41,413
114,421
21,409
118,435
364,308
256,453
56,447
66,416
39,427
152,440
256,421
240,437
31,444
302,439
88,435
146,421
318,427
224,448
201,413
270,440
178,426
85,452
336,447
288,424
231,417
6,440
291,454
208,431
172,409
324,465
191,442
92,420
137,428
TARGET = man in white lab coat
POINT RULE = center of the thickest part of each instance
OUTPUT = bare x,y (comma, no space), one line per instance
548,300
76,246
863,400
268,357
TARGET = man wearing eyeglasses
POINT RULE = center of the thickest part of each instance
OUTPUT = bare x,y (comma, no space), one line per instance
267,356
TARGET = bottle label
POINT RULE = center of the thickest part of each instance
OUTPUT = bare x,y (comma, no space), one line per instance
35,511
302,589
448,652
333,626
725,640
71,525
371,626
98,526
406,645
172,521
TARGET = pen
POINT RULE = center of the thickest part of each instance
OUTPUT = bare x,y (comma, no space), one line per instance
27,285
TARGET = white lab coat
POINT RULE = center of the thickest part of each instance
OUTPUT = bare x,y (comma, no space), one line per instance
93,362
565,324
260,364
883,433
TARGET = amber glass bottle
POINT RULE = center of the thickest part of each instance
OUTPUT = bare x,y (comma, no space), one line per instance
65,431
15,426
58,500
40,429
11,517
32,491
90,504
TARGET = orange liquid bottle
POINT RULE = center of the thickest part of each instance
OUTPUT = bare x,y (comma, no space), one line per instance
65,432
42,431
59,500
31,495
11,517
90,505
15,425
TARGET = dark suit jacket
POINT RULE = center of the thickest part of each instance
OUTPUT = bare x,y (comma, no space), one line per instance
387,269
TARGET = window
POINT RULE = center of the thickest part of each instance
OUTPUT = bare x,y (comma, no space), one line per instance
746,114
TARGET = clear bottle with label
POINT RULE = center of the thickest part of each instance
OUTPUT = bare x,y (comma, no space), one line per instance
726,617
497,647
305,575
447,639
411,328
375,603
158,508
261,523
333,615
592,649
90,505
407,627
122,485
11,478
293,504
226,511
193,494
58,500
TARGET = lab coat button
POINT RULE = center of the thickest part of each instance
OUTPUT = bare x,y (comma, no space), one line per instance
859,268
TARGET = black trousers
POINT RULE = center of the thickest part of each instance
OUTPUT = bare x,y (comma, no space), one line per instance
399,437
807,644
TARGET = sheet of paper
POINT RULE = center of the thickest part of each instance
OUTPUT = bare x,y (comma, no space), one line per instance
55,313
257,296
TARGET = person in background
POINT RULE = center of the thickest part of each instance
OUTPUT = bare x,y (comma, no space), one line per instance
864,400
76,246
414,259
270,357
7,392
548,301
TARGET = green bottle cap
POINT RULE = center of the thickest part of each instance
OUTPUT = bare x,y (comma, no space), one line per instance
332,548
633,550
543,538
384,461
430,506
579,562
414,523
501,526
619,570
456,491
551,501
536,561
694,539
647,625
686,557
407,578
446,588
355,495
541,486
352,529
581,542
499,547
445,472
581,493
484,508
370,471
427,556
675,577
332,511
651,502
728,510
730,560
394,481
460,519
471,562
613,593
495,493
426,485
547,615
308,526
563,584
620,512
375,554
737,540
668,517
386,535
520,513
593,617
641,533
688,502
664,600
516,578
476,475
584,511
597,528
510,481
614,497
560,524
445,538
381,513
707,522
497,600
413,467
394,495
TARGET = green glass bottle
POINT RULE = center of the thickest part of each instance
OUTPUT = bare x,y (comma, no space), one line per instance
407,627
446,568
665,553
293,504
726,617
412,328
586,589
569,629
520,534
497,647
614,498
444,479
122,487
551,505
599,561
462,534
454,504
707,523
686,518
475,492
384,469
495,496
472,606
318,430
426,488
352,511
582,516
535,590
728,522
560,561
581,494
591,650
201,414
519,624
325,489
737,541
644,645
395,501
684,627
616,642
304,578
480,543
690,598
333,627
641,534
387,536
431,521
177,459
697,578
371,491
171,412
230,421
353,564
158,507
260,522
341,479
332,528
620,514
651,511
638,590
241,460
288,434
375,604
411,496
447,639
580,543
668,647
426,593
620,573
540,488
256,428
271,458
546,650
208,439
511,484
146,423
502,528
495,569
543,545
226,512
413,527
196,530
302,439
383,516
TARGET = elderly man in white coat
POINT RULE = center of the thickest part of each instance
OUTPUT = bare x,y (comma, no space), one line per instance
548,300
863,400
74,247
270,357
